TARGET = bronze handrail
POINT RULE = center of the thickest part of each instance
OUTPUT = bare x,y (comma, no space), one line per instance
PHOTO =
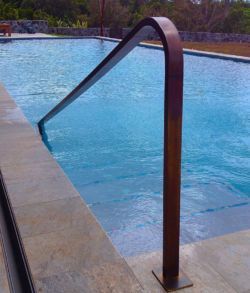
169,276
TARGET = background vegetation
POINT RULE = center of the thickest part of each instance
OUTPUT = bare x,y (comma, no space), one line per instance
188,15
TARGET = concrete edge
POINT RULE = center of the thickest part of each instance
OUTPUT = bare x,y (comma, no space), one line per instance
142,44
189,51
52,37
217,55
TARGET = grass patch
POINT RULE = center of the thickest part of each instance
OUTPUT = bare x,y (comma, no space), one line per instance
239,49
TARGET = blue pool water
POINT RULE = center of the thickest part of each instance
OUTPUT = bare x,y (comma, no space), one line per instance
109,141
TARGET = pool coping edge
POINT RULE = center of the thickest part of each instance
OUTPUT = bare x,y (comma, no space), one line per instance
192,52
46,263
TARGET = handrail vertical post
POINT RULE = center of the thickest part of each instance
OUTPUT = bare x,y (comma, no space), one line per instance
170,276
172,175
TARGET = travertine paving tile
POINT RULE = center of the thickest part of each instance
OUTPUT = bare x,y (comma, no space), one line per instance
52,216
17,130
205,279
73,282
11,118
203,275
22,173
217,265
20,137
230,257
40,191
24,153
8,105
110,277
10,114
69,250
4,286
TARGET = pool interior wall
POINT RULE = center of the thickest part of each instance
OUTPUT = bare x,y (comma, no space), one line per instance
109,141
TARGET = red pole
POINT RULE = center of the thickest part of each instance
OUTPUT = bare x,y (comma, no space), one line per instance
101,7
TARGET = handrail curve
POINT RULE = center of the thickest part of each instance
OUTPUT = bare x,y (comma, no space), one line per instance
169,275
171,45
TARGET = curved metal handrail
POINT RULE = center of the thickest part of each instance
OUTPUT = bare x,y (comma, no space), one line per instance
171,45
169,277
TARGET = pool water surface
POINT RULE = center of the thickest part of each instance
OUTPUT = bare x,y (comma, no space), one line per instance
109,142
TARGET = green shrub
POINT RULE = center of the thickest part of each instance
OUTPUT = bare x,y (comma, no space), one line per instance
80,24
191,15
9,12
25,13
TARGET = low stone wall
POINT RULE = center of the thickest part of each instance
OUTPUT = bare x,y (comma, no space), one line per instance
200,36
41,26
77,31
27,26
214,37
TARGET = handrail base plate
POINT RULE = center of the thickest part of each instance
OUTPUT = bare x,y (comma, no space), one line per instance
172,284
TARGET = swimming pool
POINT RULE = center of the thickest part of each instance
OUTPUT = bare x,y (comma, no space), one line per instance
109,142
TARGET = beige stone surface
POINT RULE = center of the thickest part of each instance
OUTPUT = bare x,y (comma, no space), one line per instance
25,152
4,286
30,172
67,249
40,191
230,257
57,215
216,265
20,132
99,279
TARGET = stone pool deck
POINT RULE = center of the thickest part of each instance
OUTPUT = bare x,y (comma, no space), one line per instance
68,251
217,265
66,248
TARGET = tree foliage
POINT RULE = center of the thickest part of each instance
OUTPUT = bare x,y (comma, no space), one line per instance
192,15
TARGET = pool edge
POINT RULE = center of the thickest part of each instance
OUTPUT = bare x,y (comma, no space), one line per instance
63,241
142,44
189,51
219,264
